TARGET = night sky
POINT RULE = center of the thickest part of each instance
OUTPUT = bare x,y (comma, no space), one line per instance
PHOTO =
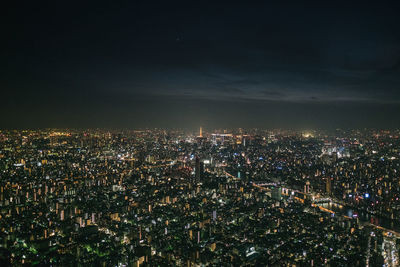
136,64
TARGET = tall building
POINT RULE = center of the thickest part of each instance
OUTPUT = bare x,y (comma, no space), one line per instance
276,193
307,188
200,139
328,186
199,169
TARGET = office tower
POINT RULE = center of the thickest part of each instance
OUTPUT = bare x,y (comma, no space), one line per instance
276,193
307,188
199,169
328,186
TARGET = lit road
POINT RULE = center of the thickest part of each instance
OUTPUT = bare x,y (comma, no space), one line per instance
389,252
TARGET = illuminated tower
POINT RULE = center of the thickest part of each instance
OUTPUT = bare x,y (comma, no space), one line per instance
200,139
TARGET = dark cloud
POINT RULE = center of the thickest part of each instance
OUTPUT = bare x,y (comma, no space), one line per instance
230,90
273,94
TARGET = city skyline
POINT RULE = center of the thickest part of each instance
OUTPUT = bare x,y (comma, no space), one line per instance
200,133
246,197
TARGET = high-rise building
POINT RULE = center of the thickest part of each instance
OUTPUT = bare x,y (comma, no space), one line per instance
328,186
307,188
199,169
276,193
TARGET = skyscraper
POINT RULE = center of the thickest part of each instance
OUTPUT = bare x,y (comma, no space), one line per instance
307,188
276,193
328,186
199,169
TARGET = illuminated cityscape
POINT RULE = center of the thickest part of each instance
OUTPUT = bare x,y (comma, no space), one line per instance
169,197
200,133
